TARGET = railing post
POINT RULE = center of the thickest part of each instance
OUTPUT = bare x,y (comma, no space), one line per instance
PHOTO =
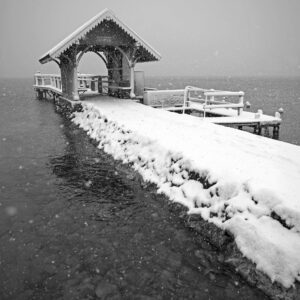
185,98
241,101
97,84
204,107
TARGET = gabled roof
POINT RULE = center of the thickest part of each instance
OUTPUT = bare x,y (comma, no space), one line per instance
74,37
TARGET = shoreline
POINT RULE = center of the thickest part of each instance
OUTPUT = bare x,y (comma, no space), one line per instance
221,239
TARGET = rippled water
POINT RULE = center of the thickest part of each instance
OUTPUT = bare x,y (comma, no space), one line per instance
75,224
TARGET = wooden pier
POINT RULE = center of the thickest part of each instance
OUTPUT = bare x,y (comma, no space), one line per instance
215,106
209,109
50,85
120,48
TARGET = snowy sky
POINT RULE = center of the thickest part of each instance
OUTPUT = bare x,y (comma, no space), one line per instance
195,37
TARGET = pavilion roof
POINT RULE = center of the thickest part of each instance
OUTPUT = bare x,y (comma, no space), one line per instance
150,54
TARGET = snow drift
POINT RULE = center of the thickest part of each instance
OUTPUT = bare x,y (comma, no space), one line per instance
242,183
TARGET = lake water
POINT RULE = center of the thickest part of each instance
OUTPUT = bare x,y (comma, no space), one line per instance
75,224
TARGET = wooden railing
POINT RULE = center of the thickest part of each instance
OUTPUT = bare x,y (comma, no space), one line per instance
52,80
199,98
93,83
209,99
86,82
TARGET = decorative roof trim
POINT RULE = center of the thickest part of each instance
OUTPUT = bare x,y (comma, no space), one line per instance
74,37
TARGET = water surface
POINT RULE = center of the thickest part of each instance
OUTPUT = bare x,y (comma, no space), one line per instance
75,224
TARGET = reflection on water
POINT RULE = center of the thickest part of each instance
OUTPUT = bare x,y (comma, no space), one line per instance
84,227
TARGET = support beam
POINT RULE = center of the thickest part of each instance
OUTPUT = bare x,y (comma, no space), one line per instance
69,78
132,65
74,83
131,59
39,94
102,56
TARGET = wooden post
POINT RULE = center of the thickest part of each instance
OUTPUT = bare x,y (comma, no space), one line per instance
69,80
259,129
267,132
36,80
241,101
276,132
132,95
39,94
74,83
64,82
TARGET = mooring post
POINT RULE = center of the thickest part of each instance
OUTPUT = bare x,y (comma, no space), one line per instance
39,94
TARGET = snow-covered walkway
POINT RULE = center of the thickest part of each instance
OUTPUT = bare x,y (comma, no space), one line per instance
241,182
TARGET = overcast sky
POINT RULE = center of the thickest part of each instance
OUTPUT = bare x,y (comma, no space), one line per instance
194,37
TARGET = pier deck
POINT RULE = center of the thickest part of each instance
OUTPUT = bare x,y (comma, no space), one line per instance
48,85
230,117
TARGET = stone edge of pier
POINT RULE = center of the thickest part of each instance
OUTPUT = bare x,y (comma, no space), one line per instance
221,240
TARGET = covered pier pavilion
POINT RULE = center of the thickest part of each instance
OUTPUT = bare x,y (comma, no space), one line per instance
119,47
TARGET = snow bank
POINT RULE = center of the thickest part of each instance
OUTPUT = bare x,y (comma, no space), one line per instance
243,183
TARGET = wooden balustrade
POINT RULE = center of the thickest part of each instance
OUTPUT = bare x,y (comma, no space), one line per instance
86,82
209,102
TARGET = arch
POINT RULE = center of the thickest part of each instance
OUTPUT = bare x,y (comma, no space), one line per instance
102,56
80,54
57,61
124,54
90,49
82,60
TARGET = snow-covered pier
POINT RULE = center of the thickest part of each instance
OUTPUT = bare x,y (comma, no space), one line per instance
220,112
243,184
214,106
121,48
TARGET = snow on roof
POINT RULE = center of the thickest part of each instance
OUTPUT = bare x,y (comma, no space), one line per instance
88,26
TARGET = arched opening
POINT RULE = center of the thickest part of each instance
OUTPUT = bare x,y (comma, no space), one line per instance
92,72
123,48
91,63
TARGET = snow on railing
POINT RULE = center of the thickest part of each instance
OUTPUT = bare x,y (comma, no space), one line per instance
91,82
52,80
210,102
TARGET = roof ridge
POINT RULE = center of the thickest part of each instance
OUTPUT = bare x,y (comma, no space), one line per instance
89,25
